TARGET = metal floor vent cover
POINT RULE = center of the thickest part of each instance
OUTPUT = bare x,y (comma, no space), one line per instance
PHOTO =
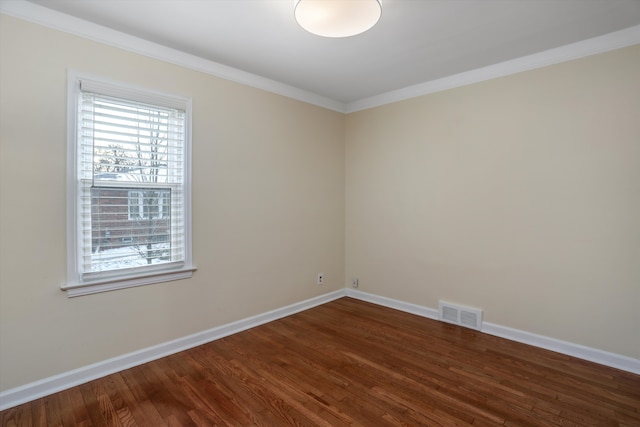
460,315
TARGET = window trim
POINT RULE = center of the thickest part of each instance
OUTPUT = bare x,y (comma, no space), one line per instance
75,285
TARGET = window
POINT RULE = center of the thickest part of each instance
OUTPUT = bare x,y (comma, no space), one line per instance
136,205
150,204
128,187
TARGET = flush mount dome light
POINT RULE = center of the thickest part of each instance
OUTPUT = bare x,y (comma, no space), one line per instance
337,18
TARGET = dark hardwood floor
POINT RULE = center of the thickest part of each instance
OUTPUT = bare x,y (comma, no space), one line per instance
349,363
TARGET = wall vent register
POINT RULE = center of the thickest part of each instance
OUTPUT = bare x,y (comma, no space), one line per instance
460,315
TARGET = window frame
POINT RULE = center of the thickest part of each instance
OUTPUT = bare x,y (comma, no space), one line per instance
76,284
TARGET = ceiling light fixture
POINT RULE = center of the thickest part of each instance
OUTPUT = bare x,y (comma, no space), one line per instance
337,18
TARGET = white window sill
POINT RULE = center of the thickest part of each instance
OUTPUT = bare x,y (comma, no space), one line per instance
113,283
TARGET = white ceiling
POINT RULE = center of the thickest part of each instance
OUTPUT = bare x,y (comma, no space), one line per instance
415,41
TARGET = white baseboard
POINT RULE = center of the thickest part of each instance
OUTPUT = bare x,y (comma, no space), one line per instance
591,354
56,383
595,355
47,386
419,310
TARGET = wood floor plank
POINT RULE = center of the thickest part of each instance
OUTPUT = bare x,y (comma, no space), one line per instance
349,363
91,402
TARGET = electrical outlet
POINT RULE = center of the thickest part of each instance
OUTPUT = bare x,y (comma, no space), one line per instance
320,278
354,282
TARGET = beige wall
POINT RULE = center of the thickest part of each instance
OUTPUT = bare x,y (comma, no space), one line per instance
520,196
268,201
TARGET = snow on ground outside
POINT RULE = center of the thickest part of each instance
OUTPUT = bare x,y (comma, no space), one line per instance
127,257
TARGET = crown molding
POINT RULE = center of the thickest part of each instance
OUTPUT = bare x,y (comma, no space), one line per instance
616,40
49,18
40,15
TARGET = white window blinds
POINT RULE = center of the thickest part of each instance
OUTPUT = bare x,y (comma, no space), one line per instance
131,177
